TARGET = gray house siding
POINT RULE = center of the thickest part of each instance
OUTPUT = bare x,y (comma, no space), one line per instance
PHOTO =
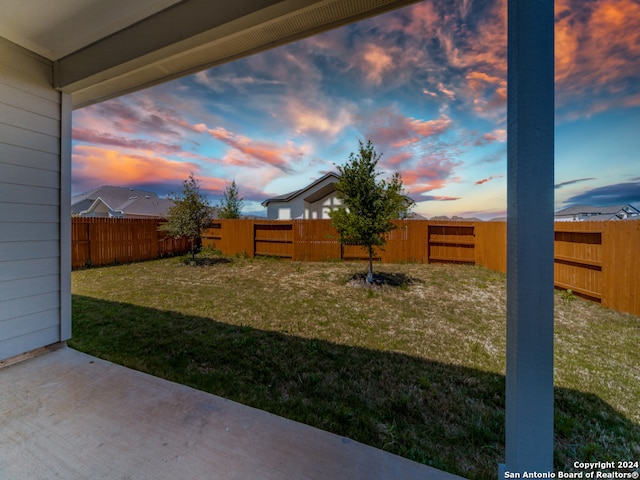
32,268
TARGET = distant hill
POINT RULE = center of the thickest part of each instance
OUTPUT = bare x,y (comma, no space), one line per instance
455,218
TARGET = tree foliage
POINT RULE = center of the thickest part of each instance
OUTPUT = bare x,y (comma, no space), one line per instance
369,203
231,204
190,214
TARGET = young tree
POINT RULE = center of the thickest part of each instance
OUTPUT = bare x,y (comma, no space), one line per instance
190,214
369,204
231,204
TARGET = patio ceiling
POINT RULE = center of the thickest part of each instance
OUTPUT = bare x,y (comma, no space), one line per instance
103,49
57,29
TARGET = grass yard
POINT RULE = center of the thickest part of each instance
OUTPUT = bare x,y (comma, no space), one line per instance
416,368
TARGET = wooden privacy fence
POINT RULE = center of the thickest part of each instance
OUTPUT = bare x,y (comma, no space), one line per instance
598,260
316,240
104,241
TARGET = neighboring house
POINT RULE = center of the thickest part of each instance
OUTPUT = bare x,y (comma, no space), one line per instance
119,202
314,201
581,213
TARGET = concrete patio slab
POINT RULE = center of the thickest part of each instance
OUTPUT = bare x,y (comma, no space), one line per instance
67,415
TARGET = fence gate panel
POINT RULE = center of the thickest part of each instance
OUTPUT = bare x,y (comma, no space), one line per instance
273,239
451,242
578,260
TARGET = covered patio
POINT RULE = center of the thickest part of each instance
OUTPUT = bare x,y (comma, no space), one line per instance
73,416
66,415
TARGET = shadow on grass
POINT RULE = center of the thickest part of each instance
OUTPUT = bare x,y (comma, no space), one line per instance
442,415
383,279
202,261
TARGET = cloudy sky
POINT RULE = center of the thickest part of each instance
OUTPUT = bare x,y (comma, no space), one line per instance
426,84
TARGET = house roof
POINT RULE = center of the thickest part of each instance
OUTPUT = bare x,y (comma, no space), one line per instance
110,194
313,195
590,209
147,206
291,195
95,206
126,200
597,213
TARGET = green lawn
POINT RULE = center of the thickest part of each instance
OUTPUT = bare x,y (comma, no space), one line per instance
416,368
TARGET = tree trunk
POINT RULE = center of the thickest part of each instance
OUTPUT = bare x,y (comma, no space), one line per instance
370,273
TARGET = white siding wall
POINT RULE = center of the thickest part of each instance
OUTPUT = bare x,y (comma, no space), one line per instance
285,210
31,181
319,210
298,208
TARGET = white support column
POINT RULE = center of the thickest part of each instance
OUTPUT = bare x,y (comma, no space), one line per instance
65,217
530,196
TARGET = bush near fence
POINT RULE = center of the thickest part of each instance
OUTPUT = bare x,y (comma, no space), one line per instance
107,241
597,260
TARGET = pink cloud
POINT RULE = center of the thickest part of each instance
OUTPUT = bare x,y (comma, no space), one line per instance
597,51
432,173
318,116
247,152
437,198
131,115
489,92
582,48
292,68
220,83
100,166
390,129
464,45
212,185
430,128
450,39
450,94
485,45
142,113
488,179
377,62
417,184
398,159
497,135
99,138
418,20
374,56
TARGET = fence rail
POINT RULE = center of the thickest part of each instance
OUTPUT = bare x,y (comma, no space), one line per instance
599,260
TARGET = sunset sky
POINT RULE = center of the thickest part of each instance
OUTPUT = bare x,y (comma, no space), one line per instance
426,84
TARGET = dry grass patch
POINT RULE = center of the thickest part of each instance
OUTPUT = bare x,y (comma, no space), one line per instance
414,365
